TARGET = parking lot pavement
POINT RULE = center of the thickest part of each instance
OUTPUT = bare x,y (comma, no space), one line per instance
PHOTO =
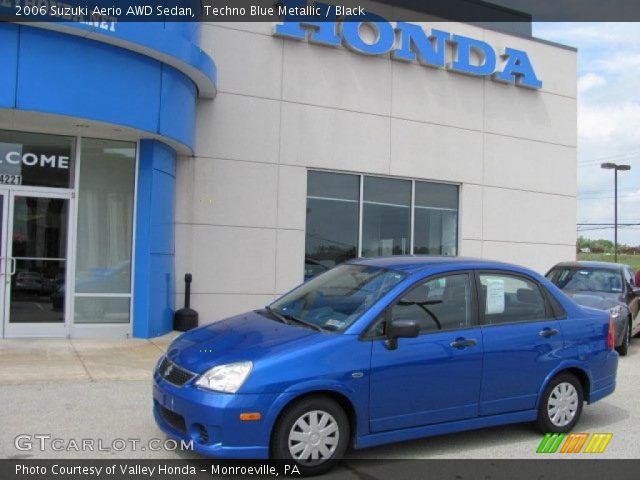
96,403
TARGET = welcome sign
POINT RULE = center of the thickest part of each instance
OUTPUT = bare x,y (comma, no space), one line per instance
35,160
410,42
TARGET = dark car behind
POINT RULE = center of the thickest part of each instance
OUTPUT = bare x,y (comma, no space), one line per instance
604,286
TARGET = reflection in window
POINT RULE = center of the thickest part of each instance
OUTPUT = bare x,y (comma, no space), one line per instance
440,304
436,219
104,230
508,299
102,309
334,225
332,220
39,249
386,217
336,300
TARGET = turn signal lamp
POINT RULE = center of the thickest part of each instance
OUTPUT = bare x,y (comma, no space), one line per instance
611,337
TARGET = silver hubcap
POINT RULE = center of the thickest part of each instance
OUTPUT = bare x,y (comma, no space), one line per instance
563,404
314,437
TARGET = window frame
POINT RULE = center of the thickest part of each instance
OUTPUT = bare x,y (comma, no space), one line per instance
412,206
550,312
385,315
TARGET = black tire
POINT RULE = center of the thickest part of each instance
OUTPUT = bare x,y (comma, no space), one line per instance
544,421
624,348
286,425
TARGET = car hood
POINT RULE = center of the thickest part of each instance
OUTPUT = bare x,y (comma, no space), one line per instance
599,300
249,336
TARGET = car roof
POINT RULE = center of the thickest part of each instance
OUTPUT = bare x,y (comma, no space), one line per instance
592,264
418,263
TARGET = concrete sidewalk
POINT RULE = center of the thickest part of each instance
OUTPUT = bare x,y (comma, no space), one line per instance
38,360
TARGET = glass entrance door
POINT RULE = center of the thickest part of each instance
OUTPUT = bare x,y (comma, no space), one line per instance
36,251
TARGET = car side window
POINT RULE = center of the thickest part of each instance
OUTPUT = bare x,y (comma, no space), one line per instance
628,275
443,303
510,298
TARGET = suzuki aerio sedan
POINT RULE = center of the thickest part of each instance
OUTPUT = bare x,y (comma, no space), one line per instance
384,350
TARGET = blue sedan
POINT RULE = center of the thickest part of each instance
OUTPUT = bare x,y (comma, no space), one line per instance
385,350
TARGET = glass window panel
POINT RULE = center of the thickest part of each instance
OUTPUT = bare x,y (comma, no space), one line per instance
332,220
333,186
440,304
38,291
509,299
338,298
436,219
105,217
35,159
39,227
333,215
102,310
386,221
39,249
436,195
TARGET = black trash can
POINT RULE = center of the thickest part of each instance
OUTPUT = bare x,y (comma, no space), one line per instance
186,318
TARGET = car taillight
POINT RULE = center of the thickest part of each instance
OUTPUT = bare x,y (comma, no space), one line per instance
611,334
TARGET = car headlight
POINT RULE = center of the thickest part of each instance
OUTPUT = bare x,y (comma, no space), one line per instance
225,378
616,311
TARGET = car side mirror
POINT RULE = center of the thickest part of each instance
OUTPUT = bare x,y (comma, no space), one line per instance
635,291
400,329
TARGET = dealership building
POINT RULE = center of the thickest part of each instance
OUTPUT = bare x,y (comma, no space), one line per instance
255,155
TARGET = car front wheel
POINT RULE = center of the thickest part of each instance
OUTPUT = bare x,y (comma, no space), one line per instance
312,433
561,404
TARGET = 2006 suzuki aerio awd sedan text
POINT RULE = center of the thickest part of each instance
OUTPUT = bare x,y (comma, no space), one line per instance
383,350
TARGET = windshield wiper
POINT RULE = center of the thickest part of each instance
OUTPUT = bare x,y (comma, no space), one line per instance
278,316
303,322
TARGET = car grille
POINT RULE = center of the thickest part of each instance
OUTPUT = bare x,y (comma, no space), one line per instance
173,419
172,373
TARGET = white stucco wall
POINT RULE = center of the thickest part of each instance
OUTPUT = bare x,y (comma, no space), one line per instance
285,106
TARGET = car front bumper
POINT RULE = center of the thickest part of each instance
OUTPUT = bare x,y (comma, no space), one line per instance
212,420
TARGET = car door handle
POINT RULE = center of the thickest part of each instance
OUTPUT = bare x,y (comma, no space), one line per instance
461,343
548,332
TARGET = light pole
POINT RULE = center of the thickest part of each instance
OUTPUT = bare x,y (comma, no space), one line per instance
615,167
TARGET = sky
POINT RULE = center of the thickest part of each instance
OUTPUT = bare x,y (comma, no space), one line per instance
608,120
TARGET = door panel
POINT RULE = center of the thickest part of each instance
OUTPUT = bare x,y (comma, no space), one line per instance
425,381
522,342
37,261
429,379
517,359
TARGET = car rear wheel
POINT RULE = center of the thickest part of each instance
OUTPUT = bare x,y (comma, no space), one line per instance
624,348
313,433
561,404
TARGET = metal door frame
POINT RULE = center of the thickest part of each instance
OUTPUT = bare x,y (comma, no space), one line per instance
4,222
40,329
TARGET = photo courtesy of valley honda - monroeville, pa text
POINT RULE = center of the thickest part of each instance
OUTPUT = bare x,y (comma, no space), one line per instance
383,350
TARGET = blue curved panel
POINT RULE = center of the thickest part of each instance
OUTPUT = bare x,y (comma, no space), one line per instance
154,280
178,40
178,100
9,55
87,79
52,72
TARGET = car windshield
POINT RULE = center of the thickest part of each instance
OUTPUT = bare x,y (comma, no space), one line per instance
587,279
334,300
